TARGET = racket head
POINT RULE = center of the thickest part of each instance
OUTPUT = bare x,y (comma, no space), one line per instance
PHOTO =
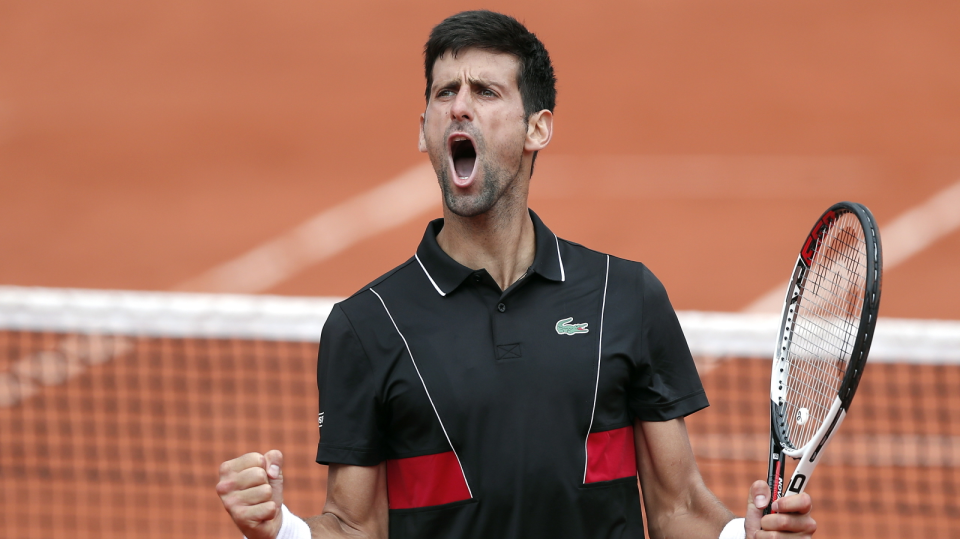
827,324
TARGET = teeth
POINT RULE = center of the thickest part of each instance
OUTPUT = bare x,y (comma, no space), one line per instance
459,139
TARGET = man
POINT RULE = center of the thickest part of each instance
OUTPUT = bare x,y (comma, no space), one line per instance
502,383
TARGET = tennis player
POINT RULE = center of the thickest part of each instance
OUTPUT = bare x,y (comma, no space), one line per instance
502,383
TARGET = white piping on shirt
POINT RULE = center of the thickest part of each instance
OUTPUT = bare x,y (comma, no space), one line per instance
596,388
432,405
424,268
563,276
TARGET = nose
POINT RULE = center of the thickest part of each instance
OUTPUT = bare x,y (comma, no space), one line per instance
462,109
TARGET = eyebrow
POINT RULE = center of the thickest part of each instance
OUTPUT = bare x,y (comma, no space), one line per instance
455,83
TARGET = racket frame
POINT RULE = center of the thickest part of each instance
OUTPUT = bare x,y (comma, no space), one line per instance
780,446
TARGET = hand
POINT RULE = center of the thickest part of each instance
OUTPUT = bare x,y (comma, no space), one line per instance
792,515
251,489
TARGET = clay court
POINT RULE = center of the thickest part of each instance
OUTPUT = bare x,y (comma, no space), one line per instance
145,146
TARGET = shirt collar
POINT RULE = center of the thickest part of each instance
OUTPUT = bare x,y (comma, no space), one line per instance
446,274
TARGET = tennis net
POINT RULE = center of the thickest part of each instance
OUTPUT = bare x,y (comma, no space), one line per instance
116,409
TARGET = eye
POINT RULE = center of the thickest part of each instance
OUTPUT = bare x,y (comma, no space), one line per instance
445,93
487,92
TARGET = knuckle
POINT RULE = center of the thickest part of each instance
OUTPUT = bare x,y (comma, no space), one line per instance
224,487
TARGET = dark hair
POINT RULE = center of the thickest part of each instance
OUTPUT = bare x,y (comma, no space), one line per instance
501,33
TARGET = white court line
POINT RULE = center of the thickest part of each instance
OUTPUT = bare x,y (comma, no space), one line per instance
324,235
912,232
414,192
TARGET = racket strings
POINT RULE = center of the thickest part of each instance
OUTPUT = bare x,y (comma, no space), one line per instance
847,303
825,321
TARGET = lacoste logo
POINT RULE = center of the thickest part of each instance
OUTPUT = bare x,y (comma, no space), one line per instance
564,327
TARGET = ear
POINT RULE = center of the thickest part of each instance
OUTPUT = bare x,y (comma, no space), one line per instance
423,140
539,131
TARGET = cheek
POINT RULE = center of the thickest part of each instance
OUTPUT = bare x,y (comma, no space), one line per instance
508,138
433,132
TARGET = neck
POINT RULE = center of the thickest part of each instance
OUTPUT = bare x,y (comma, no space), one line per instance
502,241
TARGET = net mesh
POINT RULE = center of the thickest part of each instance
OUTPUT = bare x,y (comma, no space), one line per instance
120,434
824,323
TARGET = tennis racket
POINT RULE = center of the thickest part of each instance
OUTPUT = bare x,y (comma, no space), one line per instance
828,320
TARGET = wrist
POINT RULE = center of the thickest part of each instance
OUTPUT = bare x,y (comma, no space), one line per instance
292,526
733,530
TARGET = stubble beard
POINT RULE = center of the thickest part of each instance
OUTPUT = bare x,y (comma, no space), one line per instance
495,181
491,189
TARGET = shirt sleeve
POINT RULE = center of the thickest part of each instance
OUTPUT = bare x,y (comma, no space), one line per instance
665,384
349,419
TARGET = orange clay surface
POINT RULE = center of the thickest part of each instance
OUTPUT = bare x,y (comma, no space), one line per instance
143,143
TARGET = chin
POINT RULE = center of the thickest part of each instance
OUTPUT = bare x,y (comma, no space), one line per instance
466,205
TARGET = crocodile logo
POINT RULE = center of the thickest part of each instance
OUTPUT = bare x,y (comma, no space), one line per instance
564,327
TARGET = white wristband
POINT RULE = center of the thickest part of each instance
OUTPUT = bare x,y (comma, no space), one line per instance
291,526
733,530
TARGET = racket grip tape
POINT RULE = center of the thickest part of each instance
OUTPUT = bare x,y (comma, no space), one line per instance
774,473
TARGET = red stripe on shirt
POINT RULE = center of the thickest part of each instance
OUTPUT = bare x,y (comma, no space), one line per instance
611,455
424,481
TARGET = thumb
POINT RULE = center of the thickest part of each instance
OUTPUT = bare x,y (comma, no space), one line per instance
274,466
756,503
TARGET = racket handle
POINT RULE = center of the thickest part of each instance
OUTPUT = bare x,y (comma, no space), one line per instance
774,473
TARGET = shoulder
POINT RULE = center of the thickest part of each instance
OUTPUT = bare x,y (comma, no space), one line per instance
397,275
630,285
364,306
620,269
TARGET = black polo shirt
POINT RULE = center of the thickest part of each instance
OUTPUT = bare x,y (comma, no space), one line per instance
504,414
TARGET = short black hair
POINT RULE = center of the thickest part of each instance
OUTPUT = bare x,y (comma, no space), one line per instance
501,33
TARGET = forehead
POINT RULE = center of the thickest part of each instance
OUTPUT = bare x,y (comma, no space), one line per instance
476,64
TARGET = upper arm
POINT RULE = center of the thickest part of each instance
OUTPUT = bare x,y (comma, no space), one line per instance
356,503
676,499
349,397
665,459
664,383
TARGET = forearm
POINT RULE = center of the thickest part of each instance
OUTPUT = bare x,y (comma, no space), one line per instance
322,526
677,502
356,505
330,526
695,514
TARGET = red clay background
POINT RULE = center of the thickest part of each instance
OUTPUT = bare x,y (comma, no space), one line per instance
142,143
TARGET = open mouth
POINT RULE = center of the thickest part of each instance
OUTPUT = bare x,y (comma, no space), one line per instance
464,156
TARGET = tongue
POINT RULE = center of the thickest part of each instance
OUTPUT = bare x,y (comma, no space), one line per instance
464,166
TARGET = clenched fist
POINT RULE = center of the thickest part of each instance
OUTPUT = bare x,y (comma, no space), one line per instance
251,488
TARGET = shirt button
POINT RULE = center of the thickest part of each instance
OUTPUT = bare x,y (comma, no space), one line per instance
501,307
